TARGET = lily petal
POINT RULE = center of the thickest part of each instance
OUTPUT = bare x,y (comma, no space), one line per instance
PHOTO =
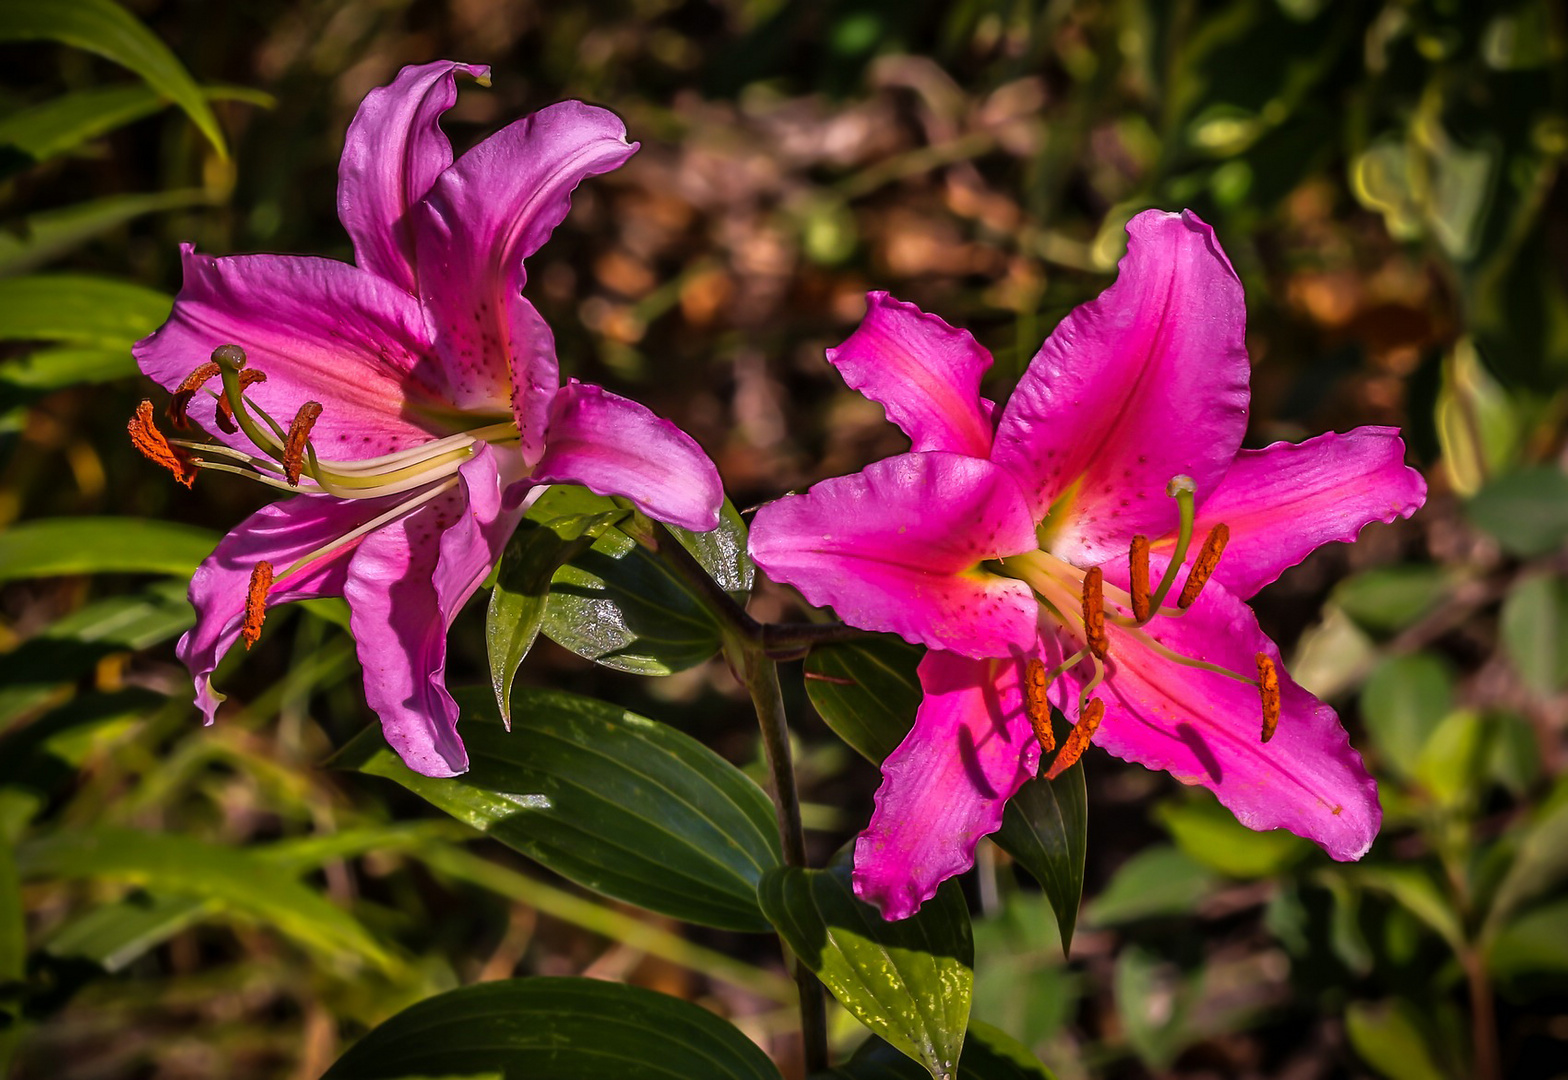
898,547
481,219
321,330
614,446
1204,728
393,152
278,533
1145,382
925,373
405,585
1284,501
947,783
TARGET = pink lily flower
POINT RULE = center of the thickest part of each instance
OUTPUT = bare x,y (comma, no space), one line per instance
412,399
1033,552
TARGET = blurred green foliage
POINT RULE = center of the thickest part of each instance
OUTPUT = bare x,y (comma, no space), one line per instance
1388,179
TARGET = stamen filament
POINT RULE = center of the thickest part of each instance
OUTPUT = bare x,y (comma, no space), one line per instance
400,510
1181,488
1187,661
261,478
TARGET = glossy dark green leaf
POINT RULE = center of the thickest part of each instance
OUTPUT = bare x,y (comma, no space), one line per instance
107,29
522,586
909,981
615,802
866,690
54,546
1526,512
989,1054
1046,827
1534,630
1157,881
555,1029
77,309
237,879
620,605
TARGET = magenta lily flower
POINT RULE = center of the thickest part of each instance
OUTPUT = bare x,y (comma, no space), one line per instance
1034,553
412,399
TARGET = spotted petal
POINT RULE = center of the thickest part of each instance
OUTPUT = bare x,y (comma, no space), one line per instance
321,331
394,151
947,783
925,373
406,583
1204,728
481,219
898,547
1284,501
1145,382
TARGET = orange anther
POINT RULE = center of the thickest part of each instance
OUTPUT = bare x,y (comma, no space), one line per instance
1268,689
1203,566
256,602
299,434
1036,707
225,414
1094,612
181,401
146,437
1139,560
1078,739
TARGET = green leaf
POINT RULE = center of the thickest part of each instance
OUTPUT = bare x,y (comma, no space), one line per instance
79,310
1414,890
244,884
51,369
105,545
560,1028
866,690
1156,881
1046,828
620,605
1526,512
909,981
1454,758
1389,1038
115,935
50,233
1154,1001
1535,943
1540,865
1389,599
989,1054
615,802
13,954
1209,833
522,585
64,123
105,28
1535,631
1403,703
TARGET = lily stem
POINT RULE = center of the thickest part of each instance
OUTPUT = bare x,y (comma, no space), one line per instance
751,649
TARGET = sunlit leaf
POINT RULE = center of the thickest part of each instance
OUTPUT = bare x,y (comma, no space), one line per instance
555,1028
1403,703
989,1054
908,981
107,29
170,863
106,545
1209,833
621,606
1389,1038
79,310
614,801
